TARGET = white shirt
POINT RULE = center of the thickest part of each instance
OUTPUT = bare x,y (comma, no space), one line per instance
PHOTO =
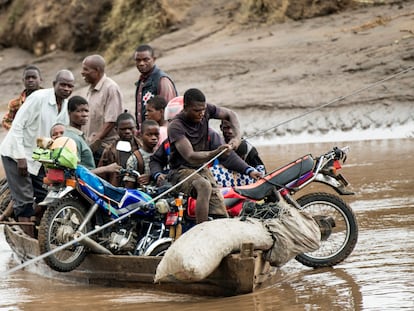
34,119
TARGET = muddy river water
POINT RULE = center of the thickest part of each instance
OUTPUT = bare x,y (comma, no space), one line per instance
378,275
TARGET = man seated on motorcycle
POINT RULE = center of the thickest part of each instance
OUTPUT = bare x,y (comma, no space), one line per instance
227,164
246,150
188,135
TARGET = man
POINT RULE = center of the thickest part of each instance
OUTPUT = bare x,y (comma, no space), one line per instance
31,80
78,110
35,118
246,150
126,127
105,104
189,139
228,163
153,81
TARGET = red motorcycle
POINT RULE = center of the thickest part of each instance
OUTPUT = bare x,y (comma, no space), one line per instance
339,228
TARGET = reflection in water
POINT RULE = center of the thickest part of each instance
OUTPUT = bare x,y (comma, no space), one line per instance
377,276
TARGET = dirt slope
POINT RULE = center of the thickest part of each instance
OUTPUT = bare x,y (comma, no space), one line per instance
270,73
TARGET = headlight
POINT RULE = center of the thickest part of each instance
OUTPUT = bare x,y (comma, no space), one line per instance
162,206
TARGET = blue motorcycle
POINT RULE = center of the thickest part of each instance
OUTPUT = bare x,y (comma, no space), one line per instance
79,201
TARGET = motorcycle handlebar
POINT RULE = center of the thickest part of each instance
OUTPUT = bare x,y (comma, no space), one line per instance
124,171
339,153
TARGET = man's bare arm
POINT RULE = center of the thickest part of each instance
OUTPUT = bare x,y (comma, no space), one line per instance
186,150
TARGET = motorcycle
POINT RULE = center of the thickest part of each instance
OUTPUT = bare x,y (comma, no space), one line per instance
338,224
76,197
79,201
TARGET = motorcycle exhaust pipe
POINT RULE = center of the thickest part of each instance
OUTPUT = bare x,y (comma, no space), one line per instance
91,244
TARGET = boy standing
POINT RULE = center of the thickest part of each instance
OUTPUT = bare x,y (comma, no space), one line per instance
155,111
139,160
126,128
31,80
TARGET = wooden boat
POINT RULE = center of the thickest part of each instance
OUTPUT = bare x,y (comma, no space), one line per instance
239,273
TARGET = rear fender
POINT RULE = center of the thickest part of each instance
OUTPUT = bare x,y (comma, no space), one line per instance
56,194
335,183
158,243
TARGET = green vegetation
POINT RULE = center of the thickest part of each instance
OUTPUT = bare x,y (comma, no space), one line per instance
131,23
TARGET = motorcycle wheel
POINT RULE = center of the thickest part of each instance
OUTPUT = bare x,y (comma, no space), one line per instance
59,222
343,238
160,249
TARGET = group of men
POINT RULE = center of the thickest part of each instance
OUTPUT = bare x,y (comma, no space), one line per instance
98,121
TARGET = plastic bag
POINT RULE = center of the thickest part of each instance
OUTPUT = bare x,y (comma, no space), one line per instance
61,153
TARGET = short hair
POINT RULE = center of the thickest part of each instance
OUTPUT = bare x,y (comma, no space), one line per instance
64,72
124,116
75,101
97,61
147,123
32,67
145,47
54,125
193,95
158,102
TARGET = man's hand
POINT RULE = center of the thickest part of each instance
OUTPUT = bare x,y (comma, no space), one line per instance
255,175
160,179
143,179
226,147
235,143
113,168
22,167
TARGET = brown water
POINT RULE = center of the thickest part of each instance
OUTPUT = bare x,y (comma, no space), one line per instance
379,274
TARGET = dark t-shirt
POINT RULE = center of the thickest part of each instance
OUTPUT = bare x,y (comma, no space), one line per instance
196,133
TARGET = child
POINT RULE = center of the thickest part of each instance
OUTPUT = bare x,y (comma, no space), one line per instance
139,160
57,130
155,109
126,129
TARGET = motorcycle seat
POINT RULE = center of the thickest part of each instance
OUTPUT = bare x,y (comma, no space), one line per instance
277,178
100,185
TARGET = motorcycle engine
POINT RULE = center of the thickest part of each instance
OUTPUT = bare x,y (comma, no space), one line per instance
122,240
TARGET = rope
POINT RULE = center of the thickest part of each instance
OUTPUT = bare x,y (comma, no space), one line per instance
26,263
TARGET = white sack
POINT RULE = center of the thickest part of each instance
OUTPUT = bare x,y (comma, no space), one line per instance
294,231
198,252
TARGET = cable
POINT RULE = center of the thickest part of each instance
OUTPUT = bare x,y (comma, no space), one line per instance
26,263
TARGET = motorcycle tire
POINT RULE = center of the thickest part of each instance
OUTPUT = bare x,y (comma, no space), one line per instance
344,235
160,249
59,222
